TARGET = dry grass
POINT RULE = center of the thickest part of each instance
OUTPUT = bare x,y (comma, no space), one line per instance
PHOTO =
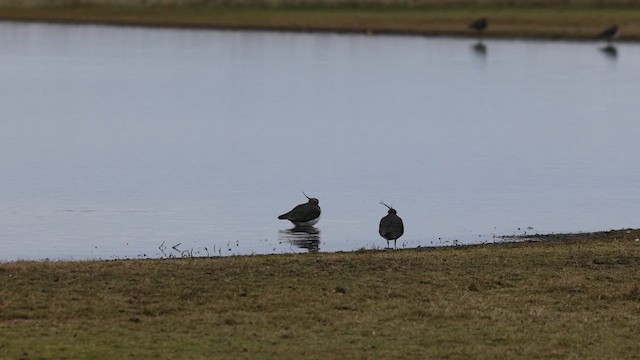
572,296
331,3
569,22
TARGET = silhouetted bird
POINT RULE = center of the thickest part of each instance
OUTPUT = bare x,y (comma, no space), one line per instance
479,25
391,226
611,33
304,214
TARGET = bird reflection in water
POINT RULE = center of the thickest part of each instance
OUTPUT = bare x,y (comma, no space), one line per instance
479,48
610,34
610,50
479,26
304,237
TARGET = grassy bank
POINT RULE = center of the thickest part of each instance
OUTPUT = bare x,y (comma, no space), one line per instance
581,21
572,296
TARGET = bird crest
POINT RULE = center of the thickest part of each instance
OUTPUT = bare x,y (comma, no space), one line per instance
391,209
388,207
311,200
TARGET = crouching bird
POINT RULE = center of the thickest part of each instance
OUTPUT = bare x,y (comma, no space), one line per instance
611,33
391,226
304,215
479,25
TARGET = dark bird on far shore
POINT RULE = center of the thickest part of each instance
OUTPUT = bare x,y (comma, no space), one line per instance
479,25
611,33
304,215
391,226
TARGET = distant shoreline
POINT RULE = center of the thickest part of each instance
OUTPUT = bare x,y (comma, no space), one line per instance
544,23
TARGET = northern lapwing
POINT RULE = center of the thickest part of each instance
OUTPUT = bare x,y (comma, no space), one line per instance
304,215
479,25
391,226
611,33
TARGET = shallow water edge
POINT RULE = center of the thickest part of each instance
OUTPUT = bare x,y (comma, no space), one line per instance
506,240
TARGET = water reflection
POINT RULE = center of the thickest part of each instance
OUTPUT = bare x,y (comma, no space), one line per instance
611,51
302,237
480,48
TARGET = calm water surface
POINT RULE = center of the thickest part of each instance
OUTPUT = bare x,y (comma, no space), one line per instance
125,142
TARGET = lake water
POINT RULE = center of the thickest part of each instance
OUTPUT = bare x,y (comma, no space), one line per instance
125,142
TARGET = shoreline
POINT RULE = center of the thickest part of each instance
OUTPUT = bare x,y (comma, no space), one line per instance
501,241
294,30
506,23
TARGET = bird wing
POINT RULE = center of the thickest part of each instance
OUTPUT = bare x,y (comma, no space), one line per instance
391,227
479,24
302,213
610,31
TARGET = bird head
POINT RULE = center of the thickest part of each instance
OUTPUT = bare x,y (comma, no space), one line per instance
312,200
391,209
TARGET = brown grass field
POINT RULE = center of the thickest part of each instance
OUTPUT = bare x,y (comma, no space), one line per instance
561,19
566,296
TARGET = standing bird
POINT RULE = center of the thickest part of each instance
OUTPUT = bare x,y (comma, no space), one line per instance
611,33
479,25
391,226
304,215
